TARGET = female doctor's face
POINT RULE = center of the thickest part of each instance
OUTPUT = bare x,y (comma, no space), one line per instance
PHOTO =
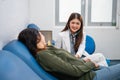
75,25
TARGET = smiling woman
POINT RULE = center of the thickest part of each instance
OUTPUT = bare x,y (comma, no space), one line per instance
73,39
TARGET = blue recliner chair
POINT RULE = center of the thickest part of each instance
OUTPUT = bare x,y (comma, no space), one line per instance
13,68
90,46
20,50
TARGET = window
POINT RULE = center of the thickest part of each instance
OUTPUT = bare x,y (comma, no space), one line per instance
98,12
102,12
65,7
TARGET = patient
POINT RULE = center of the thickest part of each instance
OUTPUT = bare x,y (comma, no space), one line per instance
61,63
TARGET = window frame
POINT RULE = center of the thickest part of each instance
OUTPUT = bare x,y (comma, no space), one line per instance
57,22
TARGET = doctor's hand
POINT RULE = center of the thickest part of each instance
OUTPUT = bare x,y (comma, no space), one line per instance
77,56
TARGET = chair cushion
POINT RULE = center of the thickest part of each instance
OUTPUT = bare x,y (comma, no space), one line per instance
13,68
21,51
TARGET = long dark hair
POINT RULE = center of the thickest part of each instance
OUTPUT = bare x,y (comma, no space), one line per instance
79,35
29,37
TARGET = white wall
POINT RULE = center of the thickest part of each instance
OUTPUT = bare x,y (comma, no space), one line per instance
42,13
13,18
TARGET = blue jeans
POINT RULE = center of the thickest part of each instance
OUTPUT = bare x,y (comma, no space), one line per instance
108,73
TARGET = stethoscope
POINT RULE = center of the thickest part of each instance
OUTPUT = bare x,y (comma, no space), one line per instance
73,36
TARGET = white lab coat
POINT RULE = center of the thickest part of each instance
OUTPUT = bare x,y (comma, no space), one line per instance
63,41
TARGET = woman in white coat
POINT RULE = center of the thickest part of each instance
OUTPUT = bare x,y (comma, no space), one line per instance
73,39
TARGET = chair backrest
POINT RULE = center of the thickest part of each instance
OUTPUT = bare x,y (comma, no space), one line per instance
90,44
13,68
21,51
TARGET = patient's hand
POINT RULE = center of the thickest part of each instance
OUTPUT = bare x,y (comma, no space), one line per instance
96,65
88,60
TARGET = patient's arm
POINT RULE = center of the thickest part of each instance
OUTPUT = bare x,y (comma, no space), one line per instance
53,63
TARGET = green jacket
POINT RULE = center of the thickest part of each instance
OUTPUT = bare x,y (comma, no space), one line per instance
64,66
